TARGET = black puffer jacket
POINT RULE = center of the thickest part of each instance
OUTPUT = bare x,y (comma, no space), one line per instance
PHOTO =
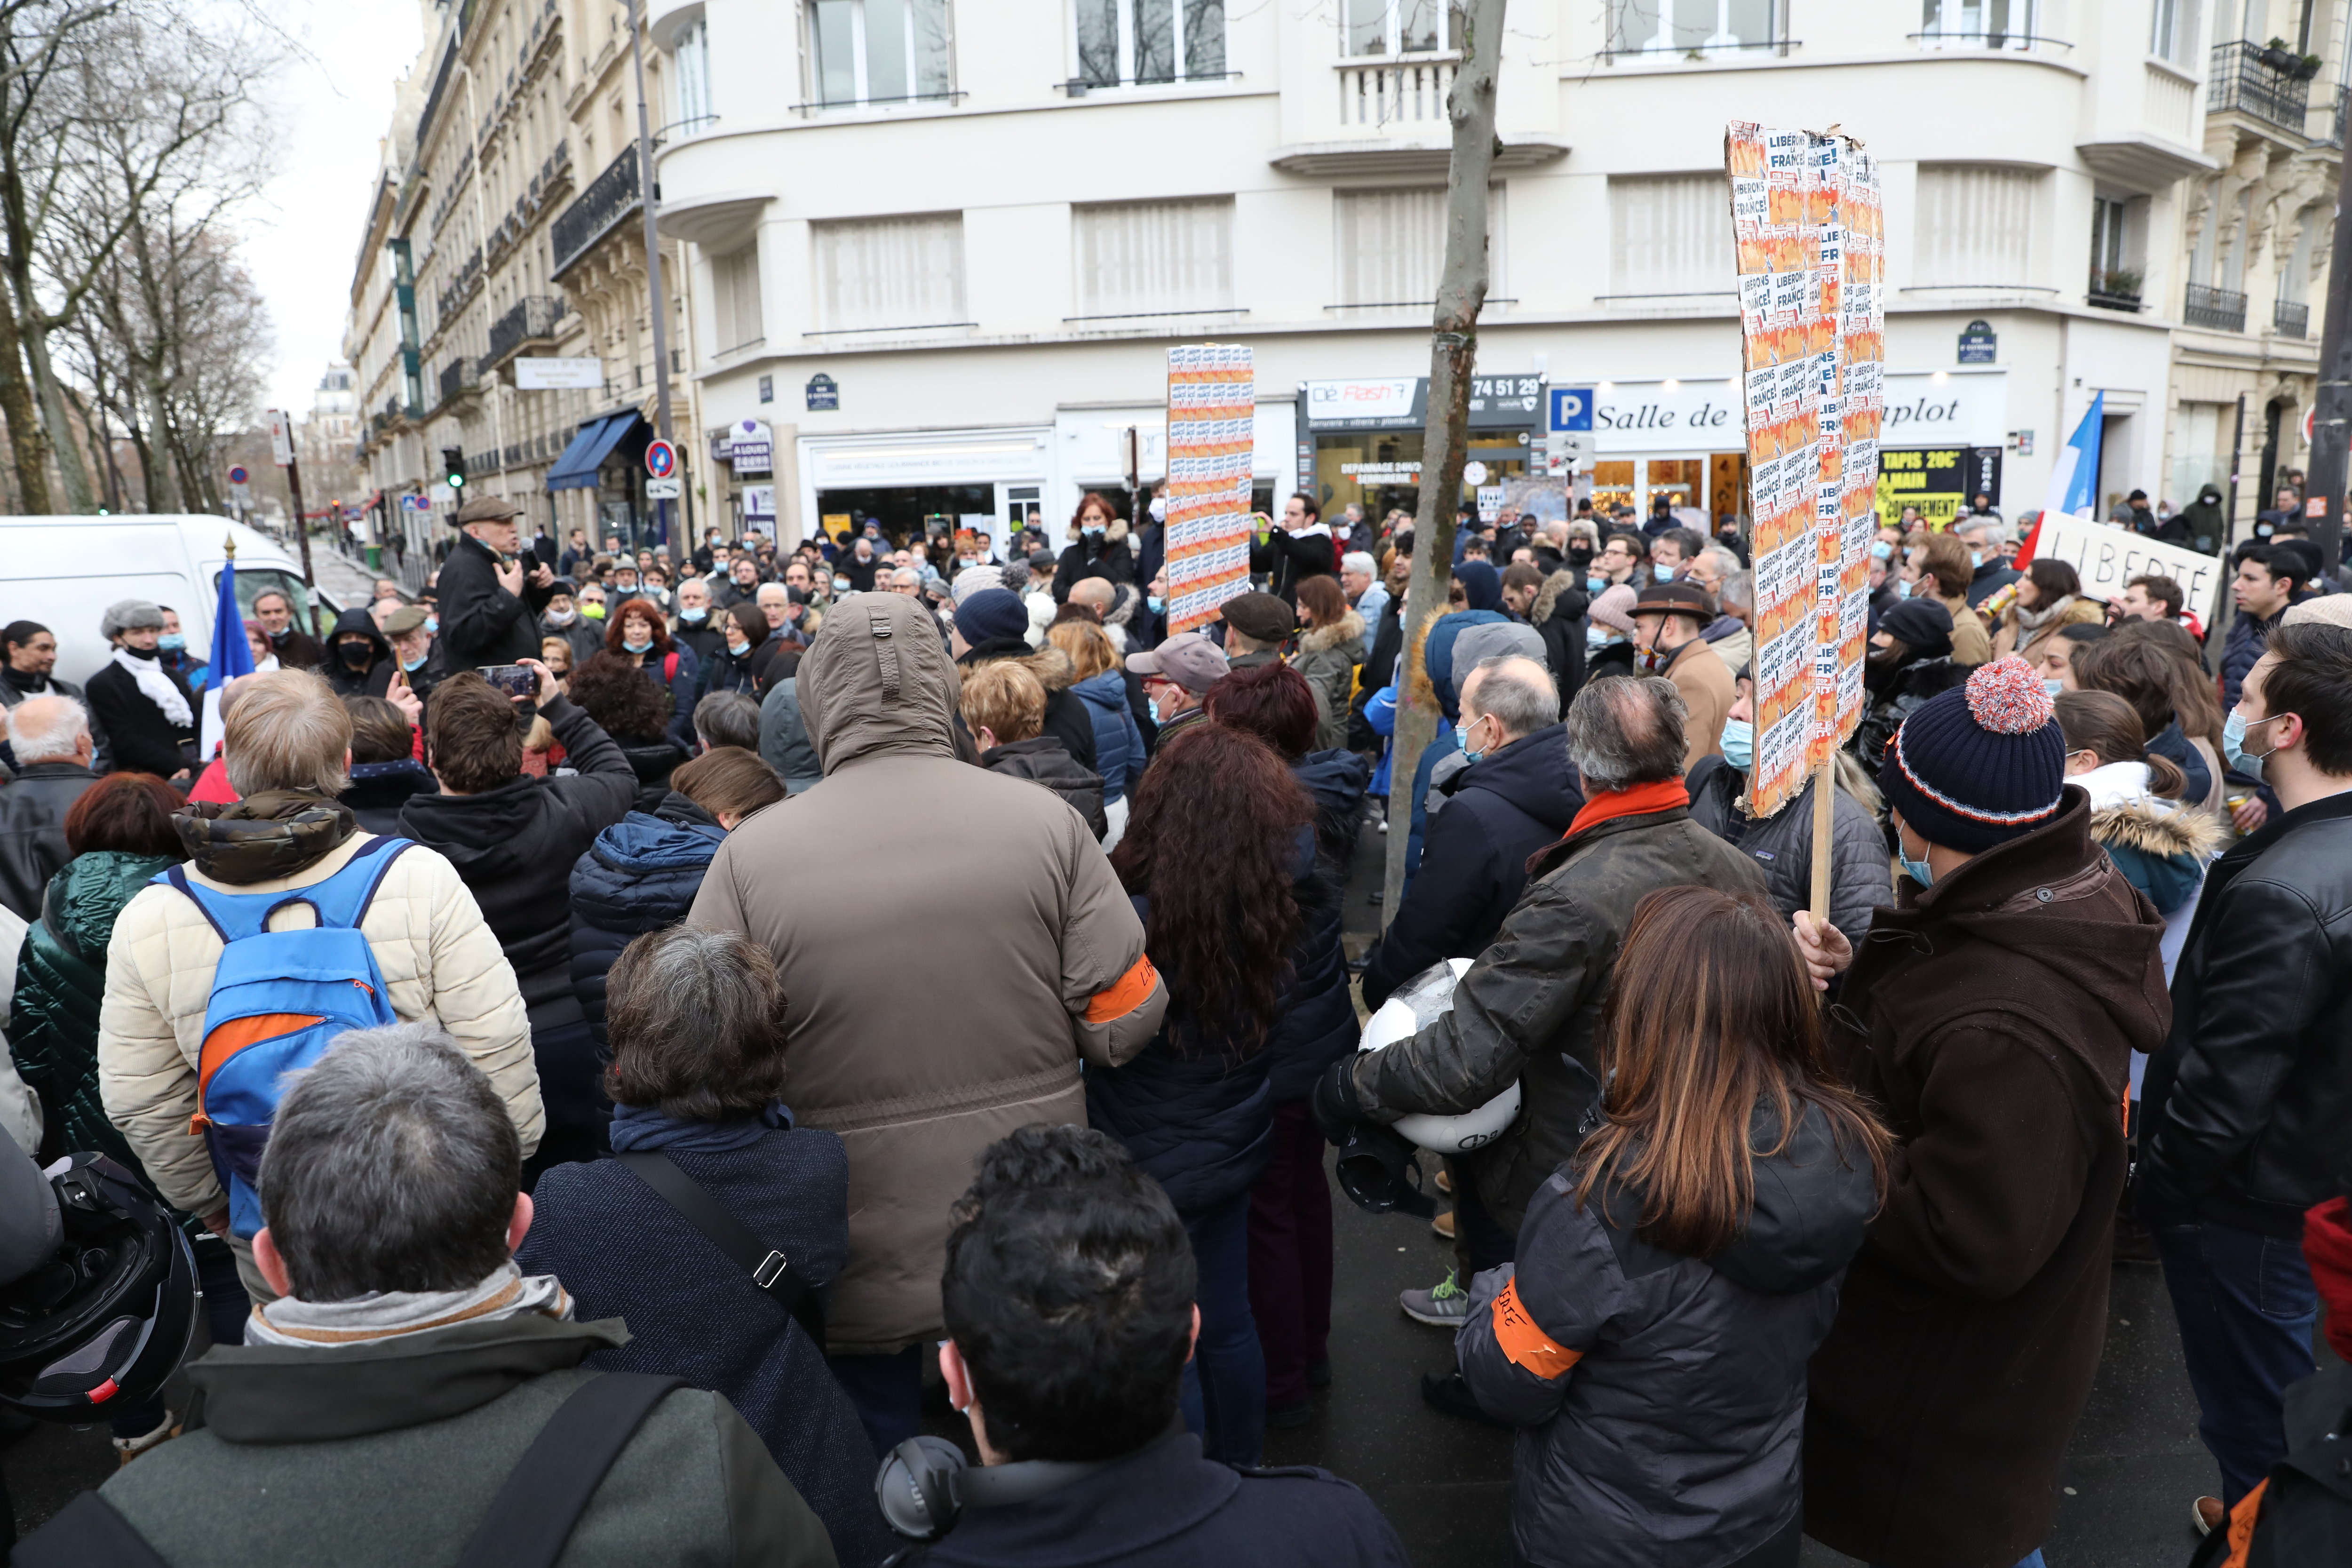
1528,1012
2248,1105
1042,760
1106,555
1484,823
514,847
1782,846
1559,618
640,875
1675,1436
1336,781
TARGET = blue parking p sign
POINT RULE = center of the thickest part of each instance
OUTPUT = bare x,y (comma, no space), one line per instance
1571,408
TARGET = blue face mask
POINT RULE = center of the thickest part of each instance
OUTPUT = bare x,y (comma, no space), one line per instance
1739,743
171,642
1976,557
1596,585
432,623
1462,740
637,646
1902,589
2055,688
2234,745
416,664
1884,550
1596,638
1155,604
1090,528
1918,870
694,618
1661,573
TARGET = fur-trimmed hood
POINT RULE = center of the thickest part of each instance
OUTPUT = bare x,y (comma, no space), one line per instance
1346,632
1053,668
1548,596
2153,828
1114,535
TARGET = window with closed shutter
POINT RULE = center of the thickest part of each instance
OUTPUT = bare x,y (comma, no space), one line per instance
1671,235
735,298
873,274
1392,245
1139,258
1973,225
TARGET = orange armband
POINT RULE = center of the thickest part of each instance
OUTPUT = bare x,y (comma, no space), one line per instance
1526,1345
1125,994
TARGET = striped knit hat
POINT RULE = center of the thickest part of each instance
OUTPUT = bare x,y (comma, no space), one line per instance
1982,765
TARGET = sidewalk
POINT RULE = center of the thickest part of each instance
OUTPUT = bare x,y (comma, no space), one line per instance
341,578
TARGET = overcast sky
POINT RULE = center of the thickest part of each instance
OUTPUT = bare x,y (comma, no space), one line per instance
334,105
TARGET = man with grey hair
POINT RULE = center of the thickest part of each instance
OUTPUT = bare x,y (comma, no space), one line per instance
51,740
1528,1011
1984,536
1718,571
1359,576
405,1366
286,749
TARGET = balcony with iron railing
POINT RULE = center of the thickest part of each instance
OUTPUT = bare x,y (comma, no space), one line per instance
460,288
2219,308
2114,288
458,377
2291,319
609,199
529,320
2261,83
2336,121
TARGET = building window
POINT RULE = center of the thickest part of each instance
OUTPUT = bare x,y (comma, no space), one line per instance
1392,245
879,274
2172,30
735,298
694,78
1687,27
1397,27
1142,259
1123,43
2115,272
1972,226
1975,24
1670,234
878,51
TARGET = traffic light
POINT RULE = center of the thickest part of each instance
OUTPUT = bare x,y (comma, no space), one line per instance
453,467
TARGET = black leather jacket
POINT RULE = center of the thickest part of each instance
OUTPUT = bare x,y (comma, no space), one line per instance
2247,1109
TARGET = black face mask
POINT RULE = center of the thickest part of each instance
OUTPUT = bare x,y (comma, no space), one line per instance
138,652
358,655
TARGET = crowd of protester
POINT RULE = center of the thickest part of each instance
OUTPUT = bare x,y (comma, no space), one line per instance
521,916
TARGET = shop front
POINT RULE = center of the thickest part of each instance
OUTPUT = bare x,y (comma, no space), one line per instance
1363,439
607,457
917,482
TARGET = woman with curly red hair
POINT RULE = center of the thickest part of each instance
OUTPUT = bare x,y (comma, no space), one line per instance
640,633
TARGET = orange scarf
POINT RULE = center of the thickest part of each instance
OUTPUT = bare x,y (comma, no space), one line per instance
1663,794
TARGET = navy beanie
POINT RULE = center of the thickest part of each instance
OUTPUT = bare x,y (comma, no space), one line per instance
1981,765
991,615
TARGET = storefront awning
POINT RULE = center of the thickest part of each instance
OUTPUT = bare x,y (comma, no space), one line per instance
576,469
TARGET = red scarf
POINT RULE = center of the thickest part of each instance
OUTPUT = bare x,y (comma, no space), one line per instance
2327,1247
1663,794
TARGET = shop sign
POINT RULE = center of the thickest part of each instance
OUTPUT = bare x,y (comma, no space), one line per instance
750,447
1490,503
903,463
1635,417
1383,473
759,501
1397,402
1571,408
1505,400
1979,343
823,393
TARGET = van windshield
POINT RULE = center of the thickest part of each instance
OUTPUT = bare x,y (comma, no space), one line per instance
254,581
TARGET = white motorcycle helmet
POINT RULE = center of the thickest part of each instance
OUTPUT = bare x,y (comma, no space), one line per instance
1417,1004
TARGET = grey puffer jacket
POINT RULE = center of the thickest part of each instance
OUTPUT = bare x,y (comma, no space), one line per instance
1663,1396
1782,847
1530,1010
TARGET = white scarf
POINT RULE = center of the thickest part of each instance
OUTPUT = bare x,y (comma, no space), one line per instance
268,665
507,1292
155,686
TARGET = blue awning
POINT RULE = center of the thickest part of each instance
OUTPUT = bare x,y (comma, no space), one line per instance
576,469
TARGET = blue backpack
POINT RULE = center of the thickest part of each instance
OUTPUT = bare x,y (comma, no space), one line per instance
279,998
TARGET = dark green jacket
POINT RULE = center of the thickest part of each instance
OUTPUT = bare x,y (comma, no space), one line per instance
1528,1011
387,1454
60,984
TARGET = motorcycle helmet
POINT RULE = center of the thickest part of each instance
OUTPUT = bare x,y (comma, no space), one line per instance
1417,1004
109,1316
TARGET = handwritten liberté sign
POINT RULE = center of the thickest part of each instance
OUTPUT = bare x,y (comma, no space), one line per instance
2107,558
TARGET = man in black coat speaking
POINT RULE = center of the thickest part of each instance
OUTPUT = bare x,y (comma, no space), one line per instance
490,599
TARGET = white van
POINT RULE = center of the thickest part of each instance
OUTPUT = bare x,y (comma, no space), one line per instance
63,572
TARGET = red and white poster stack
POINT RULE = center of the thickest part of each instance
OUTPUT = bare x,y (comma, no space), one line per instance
1212,435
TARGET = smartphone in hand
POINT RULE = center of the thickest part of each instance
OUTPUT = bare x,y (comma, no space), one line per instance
514,679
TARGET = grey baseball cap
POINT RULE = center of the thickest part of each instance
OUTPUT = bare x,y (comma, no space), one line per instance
1188,658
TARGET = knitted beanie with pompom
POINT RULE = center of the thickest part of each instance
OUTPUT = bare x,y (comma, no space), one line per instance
1981,765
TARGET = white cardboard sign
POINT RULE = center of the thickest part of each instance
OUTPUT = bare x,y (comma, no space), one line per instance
2107,558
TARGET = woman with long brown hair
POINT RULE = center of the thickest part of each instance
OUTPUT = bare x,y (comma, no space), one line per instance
1331,647
1219,852
1673,1277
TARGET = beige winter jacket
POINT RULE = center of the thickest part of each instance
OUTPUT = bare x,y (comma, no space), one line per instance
1327,657
938,995
440,965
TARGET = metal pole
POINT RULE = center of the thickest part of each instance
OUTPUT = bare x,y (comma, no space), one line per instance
648,194
302,527
2330,437
2237,455
482,223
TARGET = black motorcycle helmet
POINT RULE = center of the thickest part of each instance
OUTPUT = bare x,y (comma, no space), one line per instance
110,1316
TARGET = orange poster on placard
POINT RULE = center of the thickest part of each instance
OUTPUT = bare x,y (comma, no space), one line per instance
1211,437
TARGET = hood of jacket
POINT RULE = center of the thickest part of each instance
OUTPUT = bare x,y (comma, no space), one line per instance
1335,778
85,898
652,760
1562,596
641,844
2047,900
1055,669
878,683
2154,827
1116,534
1346,632
388,783
361,622
1106,689
1533,773
1437,653
1482,586
263,836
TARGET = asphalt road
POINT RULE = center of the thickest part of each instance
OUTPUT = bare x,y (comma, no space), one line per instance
2133,1467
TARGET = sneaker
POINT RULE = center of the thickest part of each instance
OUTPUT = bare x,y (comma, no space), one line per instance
1443,1305
1445,1180
2207,1514
1443,1224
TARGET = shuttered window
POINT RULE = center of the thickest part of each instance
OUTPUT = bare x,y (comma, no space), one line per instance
1392,245
873,274
1670,234
1973,225
1138,258
735,298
